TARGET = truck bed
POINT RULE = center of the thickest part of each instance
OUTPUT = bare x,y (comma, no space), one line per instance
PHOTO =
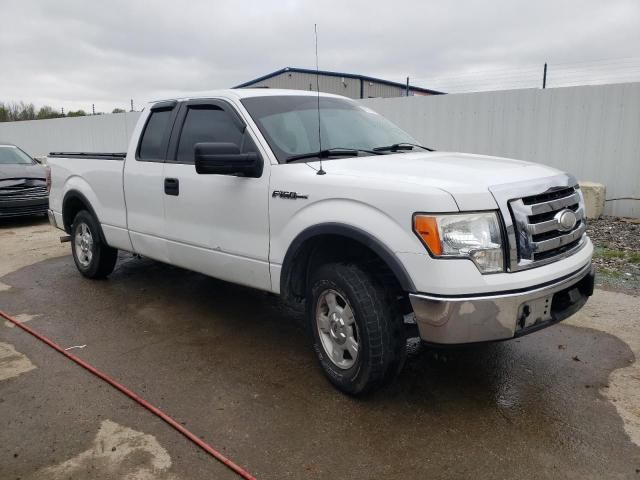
99,178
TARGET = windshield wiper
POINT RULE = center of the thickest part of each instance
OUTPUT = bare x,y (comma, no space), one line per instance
331,152
402,146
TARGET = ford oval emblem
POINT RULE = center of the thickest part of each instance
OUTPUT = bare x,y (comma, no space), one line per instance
566,219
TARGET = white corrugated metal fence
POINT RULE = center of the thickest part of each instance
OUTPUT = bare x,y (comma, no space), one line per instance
591,131
95,133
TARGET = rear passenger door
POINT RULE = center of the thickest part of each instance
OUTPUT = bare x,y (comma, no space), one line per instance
216,224
143,182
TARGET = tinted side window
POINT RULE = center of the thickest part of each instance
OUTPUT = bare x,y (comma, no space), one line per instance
153,138
206,123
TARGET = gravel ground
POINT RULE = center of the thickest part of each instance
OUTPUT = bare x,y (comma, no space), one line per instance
617,254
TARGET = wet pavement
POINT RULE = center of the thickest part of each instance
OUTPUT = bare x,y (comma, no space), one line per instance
237,369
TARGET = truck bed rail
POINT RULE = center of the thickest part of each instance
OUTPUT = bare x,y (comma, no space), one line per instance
90,155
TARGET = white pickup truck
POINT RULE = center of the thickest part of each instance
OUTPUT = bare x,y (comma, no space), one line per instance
328,204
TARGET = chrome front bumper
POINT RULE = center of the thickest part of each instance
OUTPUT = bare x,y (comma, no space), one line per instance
481,318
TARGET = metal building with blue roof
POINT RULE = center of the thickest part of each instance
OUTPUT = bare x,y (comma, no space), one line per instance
346,84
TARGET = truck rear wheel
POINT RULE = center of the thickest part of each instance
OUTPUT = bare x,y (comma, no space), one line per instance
93,257
357,332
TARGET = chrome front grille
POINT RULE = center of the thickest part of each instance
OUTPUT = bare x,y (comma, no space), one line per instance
539,233
545,220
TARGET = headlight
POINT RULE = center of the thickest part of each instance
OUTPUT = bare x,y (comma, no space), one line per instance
463,235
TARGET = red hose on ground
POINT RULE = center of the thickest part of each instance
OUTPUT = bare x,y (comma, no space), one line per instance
156,411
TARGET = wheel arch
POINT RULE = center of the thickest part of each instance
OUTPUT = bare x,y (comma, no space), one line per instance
299,256
73,202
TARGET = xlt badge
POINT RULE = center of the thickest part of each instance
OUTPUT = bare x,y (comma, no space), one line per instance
288,195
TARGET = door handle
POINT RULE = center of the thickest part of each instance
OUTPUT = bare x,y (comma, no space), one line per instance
172,186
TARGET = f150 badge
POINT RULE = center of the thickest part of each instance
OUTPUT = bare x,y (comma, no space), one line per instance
288,195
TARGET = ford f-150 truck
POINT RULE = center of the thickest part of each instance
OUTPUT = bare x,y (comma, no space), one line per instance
328,204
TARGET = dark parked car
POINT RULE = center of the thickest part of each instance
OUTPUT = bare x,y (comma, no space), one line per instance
23,184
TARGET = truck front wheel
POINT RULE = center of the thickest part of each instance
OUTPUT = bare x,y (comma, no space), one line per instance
93,257
357,332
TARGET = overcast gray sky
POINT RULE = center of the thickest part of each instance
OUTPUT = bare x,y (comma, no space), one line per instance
74,53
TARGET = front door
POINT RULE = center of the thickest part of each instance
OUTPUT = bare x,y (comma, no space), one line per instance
143,182
215,224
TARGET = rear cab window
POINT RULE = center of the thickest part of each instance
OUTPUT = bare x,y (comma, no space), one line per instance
155,136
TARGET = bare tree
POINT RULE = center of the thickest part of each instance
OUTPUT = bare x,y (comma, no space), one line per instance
13,112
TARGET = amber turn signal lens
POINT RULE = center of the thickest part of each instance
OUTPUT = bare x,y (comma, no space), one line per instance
427,230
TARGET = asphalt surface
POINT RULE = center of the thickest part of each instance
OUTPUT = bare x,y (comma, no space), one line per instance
237,369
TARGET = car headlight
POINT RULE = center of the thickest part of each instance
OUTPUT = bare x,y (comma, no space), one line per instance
475,236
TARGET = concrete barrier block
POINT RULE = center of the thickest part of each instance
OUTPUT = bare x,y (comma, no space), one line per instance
594,195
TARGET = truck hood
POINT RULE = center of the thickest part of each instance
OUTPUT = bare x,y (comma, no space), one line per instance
21,171
466,177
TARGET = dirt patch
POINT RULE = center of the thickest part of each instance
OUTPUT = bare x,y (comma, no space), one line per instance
117,452
26,241
13,363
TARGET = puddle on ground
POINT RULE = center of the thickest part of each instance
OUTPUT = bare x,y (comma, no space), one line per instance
617,314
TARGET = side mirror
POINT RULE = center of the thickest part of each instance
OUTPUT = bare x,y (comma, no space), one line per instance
218,158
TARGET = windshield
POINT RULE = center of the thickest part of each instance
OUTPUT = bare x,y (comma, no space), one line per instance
289,123
10,155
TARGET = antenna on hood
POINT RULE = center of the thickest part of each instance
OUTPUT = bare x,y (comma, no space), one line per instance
321,171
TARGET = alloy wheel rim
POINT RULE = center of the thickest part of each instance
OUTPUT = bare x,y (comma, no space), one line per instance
84,245
337,328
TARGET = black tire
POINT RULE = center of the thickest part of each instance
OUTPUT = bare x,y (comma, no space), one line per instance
102,259
381,340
